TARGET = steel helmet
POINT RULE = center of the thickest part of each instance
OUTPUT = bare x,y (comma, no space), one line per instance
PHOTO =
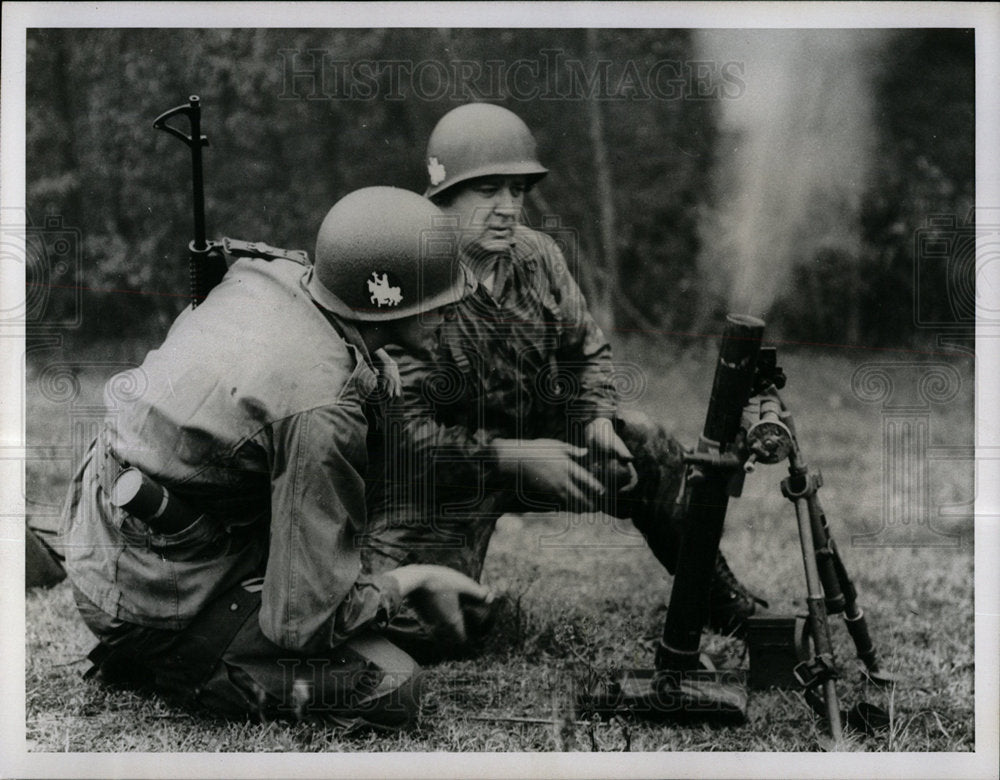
480,139
382,254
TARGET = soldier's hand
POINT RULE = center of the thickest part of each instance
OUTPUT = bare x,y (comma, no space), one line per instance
388,371
435,591
600,438
549,468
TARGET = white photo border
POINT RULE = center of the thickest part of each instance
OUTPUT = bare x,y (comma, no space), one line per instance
15,761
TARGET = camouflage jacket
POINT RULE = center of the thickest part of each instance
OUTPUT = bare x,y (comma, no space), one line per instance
523,360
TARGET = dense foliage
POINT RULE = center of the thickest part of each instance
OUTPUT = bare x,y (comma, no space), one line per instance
298,118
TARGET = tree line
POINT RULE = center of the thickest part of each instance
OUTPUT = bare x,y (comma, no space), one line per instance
626,120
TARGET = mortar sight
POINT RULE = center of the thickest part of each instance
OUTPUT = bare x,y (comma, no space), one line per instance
768,371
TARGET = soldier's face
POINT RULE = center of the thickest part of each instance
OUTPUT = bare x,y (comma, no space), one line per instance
487,210
417,332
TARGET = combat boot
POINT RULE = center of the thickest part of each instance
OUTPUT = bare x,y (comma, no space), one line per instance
730,604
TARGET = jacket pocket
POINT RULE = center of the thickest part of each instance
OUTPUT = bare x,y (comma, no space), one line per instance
203,539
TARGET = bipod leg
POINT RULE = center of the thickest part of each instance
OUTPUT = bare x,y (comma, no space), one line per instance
820,669
841,595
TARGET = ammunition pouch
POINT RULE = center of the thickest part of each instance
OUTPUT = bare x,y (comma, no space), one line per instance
154,517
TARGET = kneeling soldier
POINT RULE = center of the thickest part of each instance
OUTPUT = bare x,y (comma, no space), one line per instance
211,531
513,406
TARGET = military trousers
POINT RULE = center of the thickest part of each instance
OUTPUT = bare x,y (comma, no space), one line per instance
223,661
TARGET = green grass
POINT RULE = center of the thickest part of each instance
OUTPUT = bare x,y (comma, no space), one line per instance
588,594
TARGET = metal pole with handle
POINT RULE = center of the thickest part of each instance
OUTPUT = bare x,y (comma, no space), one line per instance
206,269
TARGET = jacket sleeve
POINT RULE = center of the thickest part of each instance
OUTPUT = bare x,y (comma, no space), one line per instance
313,596
583,348
415,438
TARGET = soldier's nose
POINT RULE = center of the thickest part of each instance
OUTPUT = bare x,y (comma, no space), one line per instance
506,206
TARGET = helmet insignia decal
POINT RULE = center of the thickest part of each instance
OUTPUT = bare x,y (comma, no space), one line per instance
381,293
436,171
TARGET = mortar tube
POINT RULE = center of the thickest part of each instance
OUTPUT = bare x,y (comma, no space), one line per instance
688,611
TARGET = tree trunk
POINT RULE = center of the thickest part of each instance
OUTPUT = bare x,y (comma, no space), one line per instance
605,192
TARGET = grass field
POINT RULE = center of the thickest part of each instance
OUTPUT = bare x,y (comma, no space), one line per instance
587,594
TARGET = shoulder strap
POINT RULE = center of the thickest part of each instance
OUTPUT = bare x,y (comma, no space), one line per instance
237,248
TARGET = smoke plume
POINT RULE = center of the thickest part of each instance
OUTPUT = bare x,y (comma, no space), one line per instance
793,153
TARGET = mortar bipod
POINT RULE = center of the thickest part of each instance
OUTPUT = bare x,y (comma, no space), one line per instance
830,590
840,595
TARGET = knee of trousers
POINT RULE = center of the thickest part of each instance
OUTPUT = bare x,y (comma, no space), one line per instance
654,504
658,460
638,431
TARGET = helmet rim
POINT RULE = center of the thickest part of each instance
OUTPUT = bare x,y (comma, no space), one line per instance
531,170
463,283
379,257
479,139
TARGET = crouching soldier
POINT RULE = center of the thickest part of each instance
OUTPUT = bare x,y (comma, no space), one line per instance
211,531
513,406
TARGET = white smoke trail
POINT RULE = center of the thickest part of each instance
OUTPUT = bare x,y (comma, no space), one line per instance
792,158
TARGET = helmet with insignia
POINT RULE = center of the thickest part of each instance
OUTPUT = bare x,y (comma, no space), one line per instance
382,254
480,139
